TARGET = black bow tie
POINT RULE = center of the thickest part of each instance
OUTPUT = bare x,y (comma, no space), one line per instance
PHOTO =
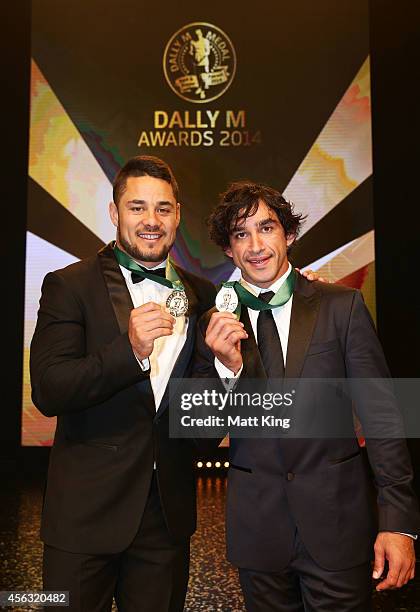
137,278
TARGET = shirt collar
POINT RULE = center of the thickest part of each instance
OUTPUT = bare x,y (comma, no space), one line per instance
274,287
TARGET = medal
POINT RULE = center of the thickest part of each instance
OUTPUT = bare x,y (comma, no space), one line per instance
177,303
227,300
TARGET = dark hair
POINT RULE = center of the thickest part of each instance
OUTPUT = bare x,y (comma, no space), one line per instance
240,201
143,165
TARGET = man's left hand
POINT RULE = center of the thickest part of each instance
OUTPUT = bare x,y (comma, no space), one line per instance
312,276
398,550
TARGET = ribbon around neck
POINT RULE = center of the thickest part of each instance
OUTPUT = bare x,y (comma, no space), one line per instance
246,298
172,280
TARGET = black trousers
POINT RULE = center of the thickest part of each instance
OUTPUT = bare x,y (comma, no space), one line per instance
151,575
305,586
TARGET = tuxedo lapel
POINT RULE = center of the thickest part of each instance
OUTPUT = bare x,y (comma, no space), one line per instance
117,287
122,304
305,308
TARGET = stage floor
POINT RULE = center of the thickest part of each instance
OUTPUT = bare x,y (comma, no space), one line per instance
213,583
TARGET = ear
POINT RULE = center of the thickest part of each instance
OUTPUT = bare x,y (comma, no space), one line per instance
228,252
290,239
178,213
113,213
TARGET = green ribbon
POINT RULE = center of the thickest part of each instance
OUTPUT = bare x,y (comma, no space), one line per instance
246,298
172,280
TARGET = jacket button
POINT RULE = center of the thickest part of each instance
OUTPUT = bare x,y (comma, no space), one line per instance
290,476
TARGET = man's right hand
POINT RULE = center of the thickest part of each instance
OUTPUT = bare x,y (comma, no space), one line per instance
148,322
223,337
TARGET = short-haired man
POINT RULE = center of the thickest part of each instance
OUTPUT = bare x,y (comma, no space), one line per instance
299,522
120,501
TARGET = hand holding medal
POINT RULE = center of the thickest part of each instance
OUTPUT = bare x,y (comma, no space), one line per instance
147,323
225,331
150,321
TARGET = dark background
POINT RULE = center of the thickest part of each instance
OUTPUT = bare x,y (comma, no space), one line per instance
394,54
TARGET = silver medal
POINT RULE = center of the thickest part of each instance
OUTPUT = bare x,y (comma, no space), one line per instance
177,303
227,300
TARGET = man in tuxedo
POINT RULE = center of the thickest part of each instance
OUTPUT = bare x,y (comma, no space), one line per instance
119,505
300,525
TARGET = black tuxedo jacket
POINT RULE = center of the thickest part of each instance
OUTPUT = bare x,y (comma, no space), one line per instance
108,434
322,487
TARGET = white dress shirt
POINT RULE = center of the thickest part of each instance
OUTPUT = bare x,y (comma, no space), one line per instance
167,348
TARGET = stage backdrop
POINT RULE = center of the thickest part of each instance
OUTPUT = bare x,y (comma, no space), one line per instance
278,94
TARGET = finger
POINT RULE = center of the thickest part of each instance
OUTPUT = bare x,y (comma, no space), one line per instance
394,570
159,332
147,344
222,315
410,571
390,582
218,318
220,328
413,572
307,272
147,307
141,332
156,324
379,563
405,576
235,339
230,329
141,318
217,335
402,578
398,567
151,312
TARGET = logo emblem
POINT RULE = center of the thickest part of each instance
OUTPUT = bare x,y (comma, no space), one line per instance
199,62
